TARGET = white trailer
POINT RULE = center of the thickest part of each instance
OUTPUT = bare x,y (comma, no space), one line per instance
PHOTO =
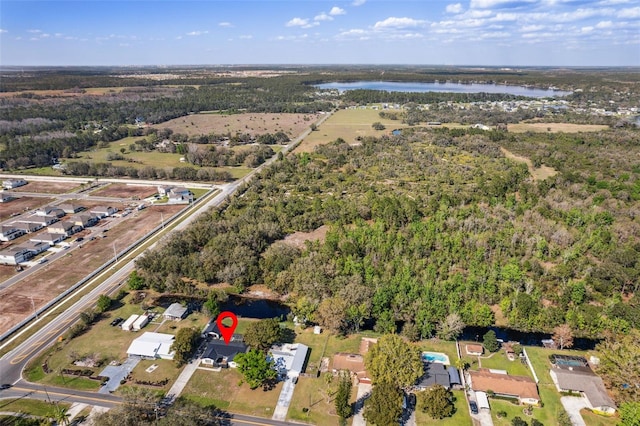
140,322
128,324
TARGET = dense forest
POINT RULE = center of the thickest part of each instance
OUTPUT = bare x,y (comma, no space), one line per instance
430,224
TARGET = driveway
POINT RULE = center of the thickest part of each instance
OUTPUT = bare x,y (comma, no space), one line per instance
364,391
115,373
282,407
572,405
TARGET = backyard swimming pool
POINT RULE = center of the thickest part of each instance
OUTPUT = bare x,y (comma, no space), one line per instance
435,357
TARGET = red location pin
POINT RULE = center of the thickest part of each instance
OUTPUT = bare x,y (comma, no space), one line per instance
227,332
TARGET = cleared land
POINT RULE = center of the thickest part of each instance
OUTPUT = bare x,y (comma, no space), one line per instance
136,160
123,190
251,123
55,277
348,124
555,127
46,187
20,205
540,173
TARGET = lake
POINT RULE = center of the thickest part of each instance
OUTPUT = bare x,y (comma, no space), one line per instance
447,87
255,308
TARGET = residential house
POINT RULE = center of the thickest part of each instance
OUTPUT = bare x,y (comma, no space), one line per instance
65,227
5,197
212,331
354,363
34,247
435,373
50,211
48,238
522,388
103,211
10,232
13,183
152,346
14,255
175,312
41,220
83,219
474,350
290,358
454,376
220,354
583,380
163,190
70,208
28,227
179,195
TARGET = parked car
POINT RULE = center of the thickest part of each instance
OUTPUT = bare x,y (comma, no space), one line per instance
5,386
116,321
474,407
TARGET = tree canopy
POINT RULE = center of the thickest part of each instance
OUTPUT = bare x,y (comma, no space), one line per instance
620,365
255,368
184,344
393,360
437,402
260,335
384,406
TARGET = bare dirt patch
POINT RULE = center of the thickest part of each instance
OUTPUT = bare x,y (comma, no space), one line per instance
555,127
254,124
57,276
123,190
9,209
298,239
540,173
47,187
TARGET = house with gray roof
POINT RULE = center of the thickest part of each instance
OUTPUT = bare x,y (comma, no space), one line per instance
175,312
587,383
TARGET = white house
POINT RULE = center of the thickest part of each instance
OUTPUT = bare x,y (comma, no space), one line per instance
10,232
152,346
34,247
175,312
289,358
27,227
103,211
48,238
65,227
13,183
14,255
587,383
5,197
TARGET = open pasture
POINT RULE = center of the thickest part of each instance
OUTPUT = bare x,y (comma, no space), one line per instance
252,123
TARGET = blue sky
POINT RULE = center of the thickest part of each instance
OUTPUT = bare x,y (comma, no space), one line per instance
437,32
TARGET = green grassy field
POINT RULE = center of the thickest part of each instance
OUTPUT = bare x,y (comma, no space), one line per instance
139,159
29,406
461,415
499,361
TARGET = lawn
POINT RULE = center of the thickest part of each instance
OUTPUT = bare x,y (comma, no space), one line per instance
325,345
166,369
29,406
499,361
314,395
593,419
136,159
225,390
546,415
348,124
460,417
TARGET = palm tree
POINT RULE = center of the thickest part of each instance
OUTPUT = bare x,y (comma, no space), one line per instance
61,415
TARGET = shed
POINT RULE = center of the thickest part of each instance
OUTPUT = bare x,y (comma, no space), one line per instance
175,312
454,375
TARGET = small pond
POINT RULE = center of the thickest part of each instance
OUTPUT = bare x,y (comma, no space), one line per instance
255,308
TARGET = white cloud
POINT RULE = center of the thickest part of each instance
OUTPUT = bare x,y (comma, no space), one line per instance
335,11
197,33
225,24
2,31
246,37
323,17
454,8
631,12
393,22
358,2
531,28
604,24
297,22
487,4
34,31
